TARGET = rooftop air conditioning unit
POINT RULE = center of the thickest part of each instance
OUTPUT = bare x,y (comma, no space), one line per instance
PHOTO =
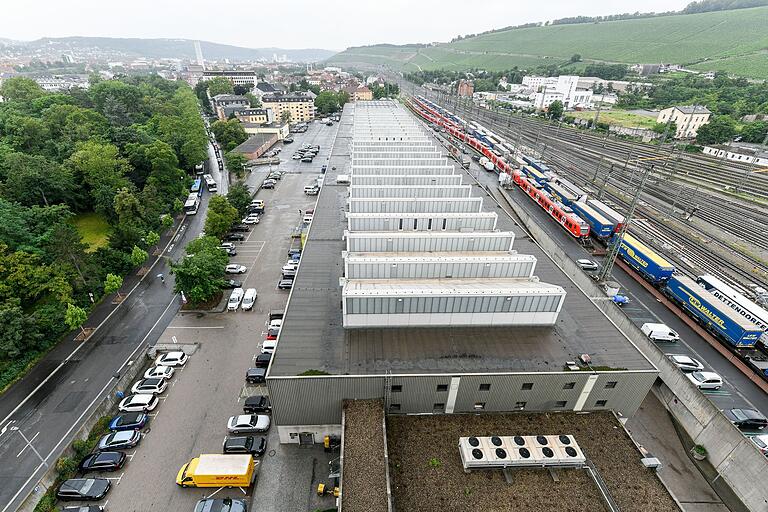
497,451
570,451
520,450
473,453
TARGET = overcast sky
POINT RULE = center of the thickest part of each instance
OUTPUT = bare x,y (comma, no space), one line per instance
329,24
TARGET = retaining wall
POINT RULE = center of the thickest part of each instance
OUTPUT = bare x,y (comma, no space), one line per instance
737,460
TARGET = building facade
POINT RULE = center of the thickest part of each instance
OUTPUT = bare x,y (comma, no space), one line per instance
466,88
237,77
300,106
687,119
255,115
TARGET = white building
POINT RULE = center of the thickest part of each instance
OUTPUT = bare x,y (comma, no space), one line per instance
687,119
564,88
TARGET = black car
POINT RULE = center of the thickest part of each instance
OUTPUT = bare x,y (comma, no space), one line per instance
221,505
83,508
102,461
234,237
256,404
262,360
288,140
749,419
243,228
256,375
253,445
268,184
232,284
91,489
285,284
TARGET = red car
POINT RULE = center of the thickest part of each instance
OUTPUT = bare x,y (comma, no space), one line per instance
272,334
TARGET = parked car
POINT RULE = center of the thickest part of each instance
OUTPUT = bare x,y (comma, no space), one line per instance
288,271
587,264
307,159
91,489
272,334
234,237
221,505
230,252
251,219
705,380
241,228
121,440
748,419
268,183
288,140
83,508
262,360
249,299
231,283
277,323
234,299
138,403
255,375
268,346
234,268
159,372
274,176
176,358
296,156
285,284
252,445
257,403
154,386
685,363
227,245
257,202
761,442
102,461
129,421
247,423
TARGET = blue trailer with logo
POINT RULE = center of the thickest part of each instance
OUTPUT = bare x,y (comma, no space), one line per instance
600,225
652,267
716,316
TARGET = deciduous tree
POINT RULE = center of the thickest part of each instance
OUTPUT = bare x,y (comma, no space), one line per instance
220,217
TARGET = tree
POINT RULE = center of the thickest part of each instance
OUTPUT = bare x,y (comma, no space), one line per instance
35,180
285,116
220,217
151,239
229,133
555,110
575,58
254,100
754,132
220,85
343,98
240,197
661,128
103,171
138,256
200,274
20,88
18,331
236,163
112,284
75,317
719,129
127,207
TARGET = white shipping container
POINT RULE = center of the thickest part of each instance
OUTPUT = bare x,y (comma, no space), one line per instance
433,241
406,180
416,170
417,205
373,192
483,221
400,162
479,265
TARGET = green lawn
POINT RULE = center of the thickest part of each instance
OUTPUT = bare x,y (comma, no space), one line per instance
617,118
94,229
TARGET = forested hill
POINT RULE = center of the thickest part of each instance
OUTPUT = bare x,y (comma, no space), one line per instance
88,180
733,41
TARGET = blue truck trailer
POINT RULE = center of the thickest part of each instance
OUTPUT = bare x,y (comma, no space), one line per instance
600,225
712,313
652,267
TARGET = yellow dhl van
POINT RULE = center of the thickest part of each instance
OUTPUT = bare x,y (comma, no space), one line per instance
214,470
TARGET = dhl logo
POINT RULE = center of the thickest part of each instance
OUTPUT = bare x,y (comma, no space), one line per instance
632,254
696,303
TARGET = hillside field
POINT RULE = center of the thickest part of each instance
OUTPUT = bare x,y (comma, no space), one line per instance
732,41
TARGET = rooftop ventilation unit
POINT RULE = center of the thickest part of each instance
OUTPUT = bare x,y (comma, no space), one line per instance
497,452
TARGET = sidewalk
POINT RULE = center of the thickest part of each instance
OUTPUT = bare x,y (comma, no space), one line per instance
652,427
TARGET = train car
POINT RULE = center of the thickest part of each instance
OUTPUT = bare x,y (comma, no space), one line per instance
561,194
599,225
575,226
712,313
536,164
652,267
737,302
535,175
607,211
576,191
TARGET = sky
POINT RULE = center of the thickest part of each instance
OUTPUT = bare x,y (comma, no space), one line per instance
328,24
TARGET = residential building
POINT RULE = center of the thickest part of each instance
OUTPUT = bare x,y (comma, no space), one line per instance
359,93
281,130
740,152
237,77
300,105
226,105
466,88
688,119
564,88
255,115
256,145
61,83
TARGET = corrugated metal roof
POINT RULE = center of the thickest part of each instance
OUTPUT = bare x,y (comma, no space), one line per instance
430,287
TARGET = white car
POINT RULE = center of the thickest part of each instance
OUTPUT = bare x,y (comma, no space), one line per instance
154,386
162,372
761,442
234,268
587,264
705,380
138,403
234,299
245,423
277,323
685,363
249,299
227,245
291,265
251,219
171,359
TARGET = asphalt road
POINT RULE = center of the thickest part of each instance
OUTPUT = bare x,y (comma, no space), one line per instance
52,413
192,418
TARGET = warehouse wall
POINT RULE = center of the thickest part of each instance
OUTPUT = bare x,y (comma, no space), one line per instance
485,221
373,169
420,205
409,191
432,268
430,242
405,180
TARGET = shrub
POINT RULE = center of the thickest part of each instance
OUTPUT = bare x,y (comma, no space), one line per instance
81,447
66,467
46,504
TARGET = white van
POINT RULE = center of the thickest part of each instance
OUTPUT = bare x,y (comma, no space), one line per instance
234,299
249,299
311,190
659,332
268,347
342,178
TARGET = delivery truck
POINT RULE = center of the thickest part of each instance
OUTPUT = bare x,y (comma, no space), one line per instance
214,470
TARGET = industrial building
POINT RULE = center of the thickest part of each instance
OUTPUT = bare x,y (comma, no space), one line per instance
414,290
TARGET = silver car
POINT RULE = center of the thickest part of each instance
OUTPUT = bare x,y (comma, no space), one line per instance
246,423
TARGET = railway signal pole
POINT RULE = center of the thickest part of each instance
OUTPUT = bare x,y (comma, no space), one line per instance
613,249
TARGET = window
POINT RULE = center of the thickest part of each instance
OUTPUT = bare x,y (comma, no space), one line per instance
610,384
527,386
397,388
520,405
560,404
485,387
438,407
394,407
569,385
479,406
442,387
601,403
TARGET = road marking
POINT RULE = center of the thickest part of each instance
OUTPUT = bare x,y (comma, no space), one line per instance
27,445
90,405
190,327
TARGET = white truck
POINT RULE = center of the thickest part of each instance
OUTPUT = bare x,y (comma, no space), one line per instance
659,332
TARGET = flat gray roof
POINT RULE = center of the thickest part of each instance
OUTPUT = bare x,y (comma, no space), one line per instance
312,336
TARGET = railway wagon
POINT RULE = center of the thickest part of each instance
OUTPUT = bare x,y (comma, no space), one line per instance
607,211
652,267
712,313
533,174
599,225
738,302
561,194
569,221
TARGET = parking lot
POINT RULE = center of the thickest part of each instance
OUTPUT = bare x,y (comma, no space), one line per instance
192,416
